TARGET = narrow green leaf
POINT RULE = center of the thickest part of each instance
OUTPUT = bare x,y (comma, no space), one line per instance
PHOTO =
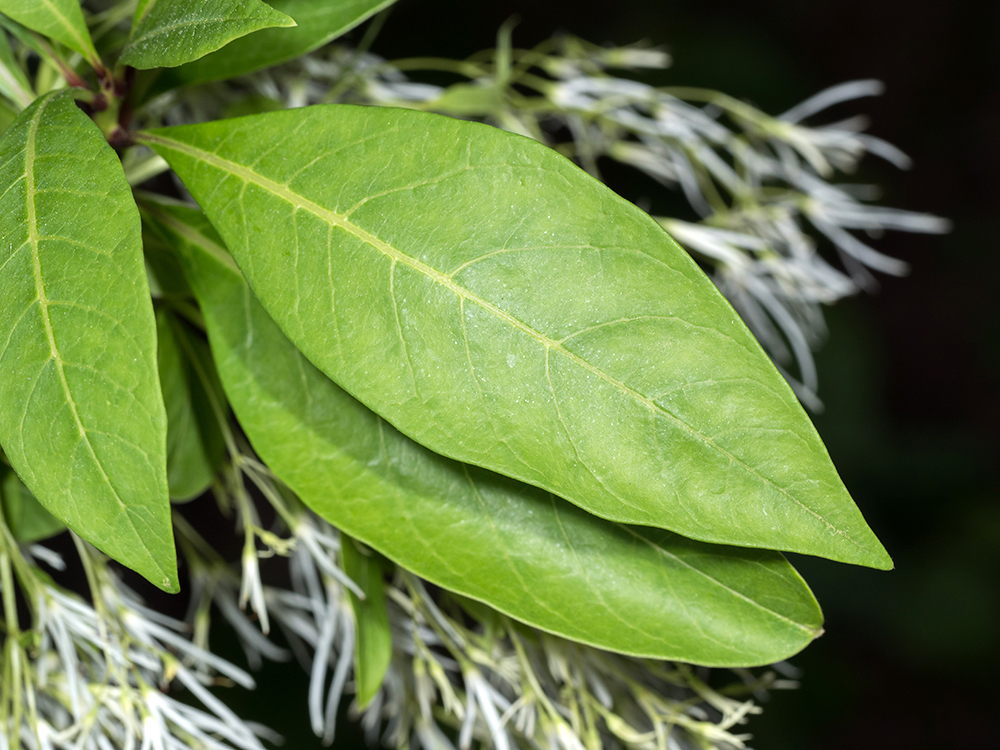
61,20
166,272
27,520
7,116
468,100
319,21
194,444
500,306
13,82
520,549
372,638
168,33
83,422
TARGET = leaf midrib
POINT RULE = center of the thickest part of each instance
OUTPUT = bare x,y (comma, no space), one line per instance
43,300
337,219
212,249
86,44
43,306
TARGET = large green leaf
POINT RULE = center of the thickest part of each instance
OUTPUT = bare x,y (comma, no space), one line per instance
520,549
373,638
500,306
319,21
83,422
61,20
167,33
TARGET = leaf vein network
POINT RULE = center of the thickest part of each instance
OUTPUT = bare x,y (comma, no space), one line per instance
282,192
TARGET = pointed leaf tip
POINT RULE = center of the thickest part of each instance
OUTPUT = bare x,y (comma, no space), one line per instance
500,306
169,33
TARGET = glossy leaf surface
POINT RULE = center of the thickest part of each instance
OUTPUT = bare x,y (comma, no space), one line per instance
27,520
319,21
61,20
167,33
500,306
372,638
83,420
520,549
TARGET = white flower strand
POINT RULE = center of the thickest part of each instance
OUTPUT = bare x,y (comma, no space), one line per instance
96,677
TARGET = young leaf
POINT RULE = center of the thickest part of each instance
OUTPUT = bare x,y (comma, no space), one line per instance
373,639
83,422
61,20
319,21
168,33
500,306
194,446
27,520
520,549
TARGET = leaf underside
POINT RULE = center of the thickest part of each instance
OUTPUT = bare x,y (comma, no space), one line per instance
520,549
498,305
83,422
168,33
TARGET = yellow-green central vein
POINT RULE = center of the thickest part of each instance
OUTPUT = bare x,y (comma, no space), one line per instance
43,304
198,239
86,45
338,220
43,300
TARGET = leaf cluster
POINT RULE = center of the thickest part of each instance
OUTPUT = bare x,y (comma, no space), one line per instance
447,340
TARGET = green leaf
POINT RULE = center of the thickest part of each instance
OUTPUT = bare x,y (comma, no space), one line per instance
372,639
83,422
520,549
13,82
7,116
61,20
500,306
468,100
319,21
167,275
195,449
27,520
168,33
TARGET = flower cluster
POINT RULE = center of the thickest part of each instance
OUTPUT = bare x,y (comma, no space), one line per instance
92,675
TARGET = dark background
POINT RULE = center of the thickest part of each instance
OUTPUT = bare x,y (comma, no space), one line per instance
910,375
